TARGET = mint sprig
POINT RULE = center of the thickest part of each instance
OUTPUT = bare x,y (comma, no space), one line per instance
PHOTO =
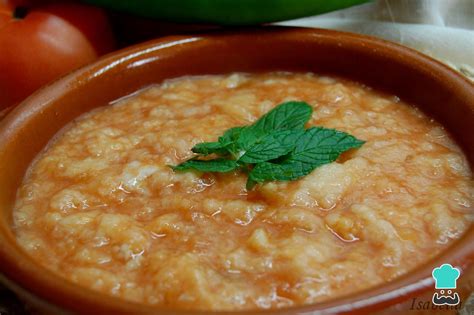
216,165
275,147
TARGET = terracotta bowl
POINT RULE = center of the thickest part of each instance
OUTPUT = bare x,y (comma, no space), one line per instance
437,90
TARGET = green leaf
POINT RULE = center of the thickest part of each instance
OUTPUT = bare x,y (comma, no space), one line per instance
320,145
267,171
250,184
286,116
273,145
316,147
206,148
223,146
216,165
229,140
230,136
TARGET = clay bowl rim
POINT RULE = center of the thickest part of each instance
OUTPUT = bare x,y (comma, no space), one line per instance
24,275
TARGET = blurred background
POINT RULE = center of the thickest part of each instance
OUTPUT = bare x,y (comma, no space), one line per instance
443,29
41,40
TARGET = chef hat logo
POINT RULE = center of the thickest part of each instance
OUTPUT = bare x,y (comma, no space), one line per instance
445,276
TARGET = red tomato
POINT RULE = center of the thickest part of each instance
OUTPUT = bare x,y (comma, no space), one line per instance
4,16
47,43
12,4
91,21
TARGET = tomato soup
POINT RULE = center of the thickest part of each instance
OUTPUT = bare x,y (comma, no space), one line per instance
101,207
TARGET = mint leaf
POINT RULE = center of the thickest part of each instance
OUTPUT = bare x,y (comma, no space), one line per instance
230,136
273,145
225,144
316,147
229,140
250,184
320,145
286,116
268,171
206,148
217,165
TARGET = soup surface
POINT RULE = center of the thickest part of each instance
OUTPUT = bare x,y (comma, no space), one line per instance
101,207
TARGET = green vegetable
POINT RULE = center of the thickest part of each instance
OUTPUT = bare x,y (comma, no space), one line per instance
275,144
289,115
275,147
237,140
207,148
286,116
318,146
215,165
226,143
226,12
